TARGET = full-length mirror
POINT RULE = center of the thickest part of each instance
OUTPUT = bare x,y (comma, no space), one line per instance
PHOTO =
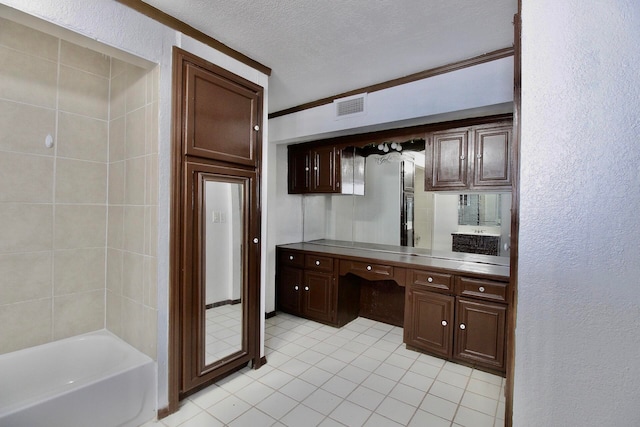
223,213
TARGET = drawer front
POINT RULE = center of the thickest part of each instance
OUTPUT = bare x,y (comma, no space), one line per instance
431,281
292,258
319,263
483,289
366,270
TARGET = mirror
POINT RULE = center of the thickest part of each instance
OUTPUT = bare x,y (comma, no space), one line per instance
223,269
396,211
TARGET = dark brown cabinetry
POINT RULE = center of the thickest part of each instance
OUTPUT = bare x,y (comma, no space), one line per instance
315,170
465,323
470,158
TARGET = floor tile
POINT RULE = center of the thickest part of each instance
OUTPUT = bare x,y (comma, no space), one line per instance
452,378
228,409
322,401
353,374
406,394
479,403
298,389
376,420
302,416
425,419
469,418
316,376
276,379
255,393
339,386
380,384
438,406
253,417
366,397
277,405
483,388
446,391
350,414
203,419
395,410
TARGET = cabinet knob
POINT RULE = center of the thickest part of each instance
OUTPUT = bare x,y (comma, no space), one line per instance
481,288
290,257
444,323
462,157
306,288
479,156
256,127
255,240
306,169
296,287
463,326
315,168
430,279
317,262
368,268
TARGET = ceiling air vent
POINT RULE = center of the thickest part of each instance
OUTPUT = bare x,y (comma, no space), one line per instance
350,106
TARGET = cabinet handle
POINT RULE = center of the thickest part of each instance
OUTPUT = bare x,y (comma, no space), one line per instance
463,326
430,279
444,323
306,288
317,262
295,287
368,268
481,288
290,257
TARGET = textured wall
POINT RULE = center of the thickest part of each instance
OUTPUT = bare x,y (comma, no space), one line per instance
578,325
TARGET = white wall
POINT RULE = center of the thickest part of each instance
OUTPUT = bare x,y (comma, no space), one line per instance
578,321
118,28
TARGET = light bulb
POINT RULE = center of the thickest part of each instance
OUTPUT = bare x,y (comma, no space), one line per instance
394,145
380,147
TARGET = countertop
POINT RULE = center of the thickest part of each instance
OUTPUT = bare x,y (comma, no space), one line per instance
485,265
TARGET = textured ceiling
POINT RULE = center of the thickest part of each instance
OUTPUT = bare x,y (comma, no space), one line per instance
320,48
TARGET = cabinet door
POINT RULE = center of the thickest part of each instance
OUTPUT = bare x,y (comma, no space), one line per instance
289,289
428,321
492,157
316,296
299,171
480,333
448,160
325,176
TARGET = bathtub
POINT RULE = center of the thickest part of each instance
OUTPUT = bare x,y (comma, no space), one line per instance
94,379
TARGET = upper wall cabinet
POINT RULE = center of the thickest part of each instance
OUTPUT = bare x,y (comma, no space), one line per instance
223,115
470,158
325,169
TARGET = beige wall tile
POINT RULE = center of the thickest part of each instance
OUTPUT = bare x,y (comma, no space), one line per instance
28,40
78,270
150,282
150,332
25,276
136,87
78,181
135,134
78,313
82,138
132,276
151,230
25,324
80,226
151,191
134,181
26,178
117,67
115,227
84,59
83,93
25,227
116,139
116,183
114,271
114,313
151,129
133,237
27,78
132,328
23,128
118,94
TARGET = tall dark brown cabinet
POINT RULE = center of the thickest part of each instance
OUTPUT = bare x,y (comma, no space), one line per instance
215,210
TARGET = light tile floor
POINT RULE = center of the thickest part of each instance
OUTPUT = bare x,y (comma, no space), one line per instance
358,375
223,330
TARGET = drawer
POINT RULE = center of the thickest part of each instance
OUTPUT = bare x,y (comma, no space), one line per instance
317,262
483,289
431,281
292,258
366,270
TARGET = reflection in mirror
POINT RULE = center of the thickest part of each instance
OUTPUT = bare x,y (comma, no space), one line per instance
223,269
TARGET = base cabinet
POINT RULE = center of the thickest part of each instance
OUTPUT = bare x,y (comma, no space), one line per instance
467,330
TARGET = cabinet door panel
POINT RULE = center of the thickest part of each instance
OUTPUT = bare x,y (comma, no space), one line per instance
480,333
492,158
325,174
449,157
428,321
289,289
316,296
299,174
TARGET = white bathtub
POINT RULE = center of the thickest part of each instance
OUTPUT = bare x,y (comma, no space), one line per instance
94,379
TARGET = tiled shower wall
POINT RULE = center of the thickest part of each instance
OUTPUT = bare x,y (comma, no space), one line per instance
55,203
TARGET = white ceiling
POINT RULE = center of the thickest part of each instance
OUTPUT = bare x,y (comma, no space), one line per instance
321,48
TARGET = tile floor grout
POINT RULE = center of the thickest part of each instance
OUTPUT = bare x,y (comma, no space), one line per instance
320,375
